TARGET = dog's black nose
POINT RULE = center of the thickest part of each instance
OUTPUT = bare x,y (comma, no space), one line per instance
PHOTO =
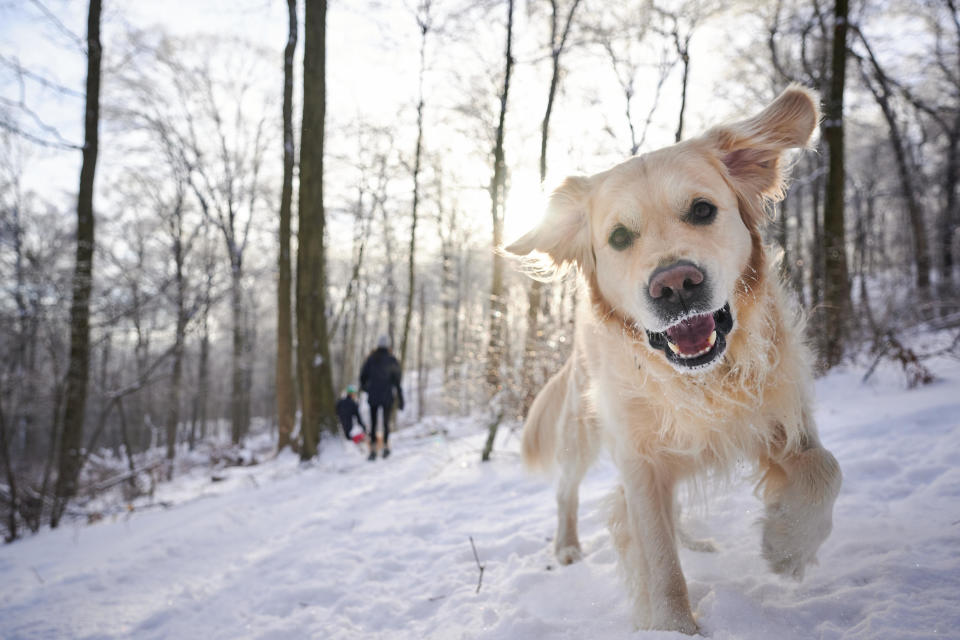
678,287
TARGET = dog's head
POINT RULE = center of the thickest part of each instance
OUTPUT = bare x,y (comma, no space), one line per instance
669,242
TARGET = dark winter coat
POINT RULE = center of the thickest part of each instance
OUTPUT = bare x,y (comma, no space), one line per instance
347,408
379,376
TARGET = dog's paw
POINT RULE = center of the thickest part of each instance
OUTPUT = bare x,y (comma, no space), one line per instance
688,626
704,545
799,516
700,546
569,554
791,538
672,619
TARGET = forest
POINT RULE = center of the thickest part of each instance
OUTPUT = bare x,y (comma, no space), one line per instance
210,212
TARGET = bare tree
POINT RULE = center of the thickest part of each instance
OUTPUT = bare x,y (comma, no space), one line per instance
212,113
313,350
286,397
14,499
201,398
799,42
369,205
22,383
164,185
882,90
498,187
837,282
226,181
347,316
71,438
389,296
181,242
682,22
422,368
452,243
424,24
622,34
948,61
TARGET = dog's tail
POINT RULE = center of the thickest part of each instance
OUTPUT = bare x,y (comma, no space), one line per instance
540,429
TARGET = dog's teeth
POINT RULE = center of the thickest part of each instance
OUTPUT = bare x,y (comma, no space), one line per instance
686,356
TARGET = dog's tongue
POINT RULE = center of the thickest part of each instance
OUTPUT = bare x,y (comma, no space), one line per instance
692,335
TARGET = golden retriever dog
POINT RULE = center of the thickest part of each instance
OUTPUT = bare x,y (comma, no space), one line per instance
687,357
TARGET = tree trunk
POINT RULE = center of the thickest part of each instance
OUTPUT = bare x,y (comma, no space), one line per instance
497,199
125,441
194,421
684,52
447,284
350,345
390,298
783,237
532,347
816,246
238,398
173,400
422,370
498,307
456,334
203,364
881,94
921,252
423,21
11,479
448,280
837,283
249,348
313,351
286,398
951,216
797,268
949,222
71,438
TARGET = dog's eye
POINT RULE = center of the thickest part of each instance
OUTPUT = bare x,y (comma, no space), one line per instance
620,238
701,212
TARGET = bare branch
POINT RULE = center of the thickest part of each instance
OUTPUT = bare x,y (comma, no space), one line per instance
62,28
14,129
479,566
20,70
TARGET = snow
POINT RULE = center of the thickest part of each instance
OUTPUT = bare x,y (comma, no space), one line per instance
345,548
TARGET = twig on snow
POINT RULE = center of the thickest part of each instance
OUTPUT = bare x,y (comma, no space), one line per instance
882,352
479,566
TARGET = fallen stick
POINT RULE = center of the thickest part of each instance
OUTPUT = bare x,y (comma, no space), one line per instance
479,566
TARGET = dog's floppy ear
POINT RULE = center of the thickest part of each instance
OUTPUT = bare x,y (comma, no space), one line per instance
751,150
564,232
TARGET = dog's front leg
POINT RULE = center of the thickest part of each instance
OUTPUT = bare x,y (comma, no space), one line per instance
798,491
661,599
567,544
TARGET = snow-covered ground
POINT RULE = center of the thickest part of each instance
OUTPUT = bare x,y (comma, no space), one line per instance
350,549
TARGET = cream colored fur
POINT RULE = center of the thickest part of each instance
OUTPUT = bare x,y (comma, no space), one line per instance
660,424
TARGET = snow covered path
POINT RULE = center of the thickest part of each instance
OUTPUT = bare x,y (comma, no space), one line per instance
351,549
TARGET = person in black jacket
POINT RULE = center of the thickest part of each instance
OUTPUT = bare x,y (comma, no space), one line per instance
348,409
379,377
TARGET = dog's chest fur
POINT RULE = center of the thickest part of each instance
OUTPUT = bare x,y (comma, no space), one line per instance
747,406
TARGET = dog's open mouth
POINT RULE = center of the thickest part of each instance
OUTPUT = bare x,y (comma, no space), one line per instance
696,340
